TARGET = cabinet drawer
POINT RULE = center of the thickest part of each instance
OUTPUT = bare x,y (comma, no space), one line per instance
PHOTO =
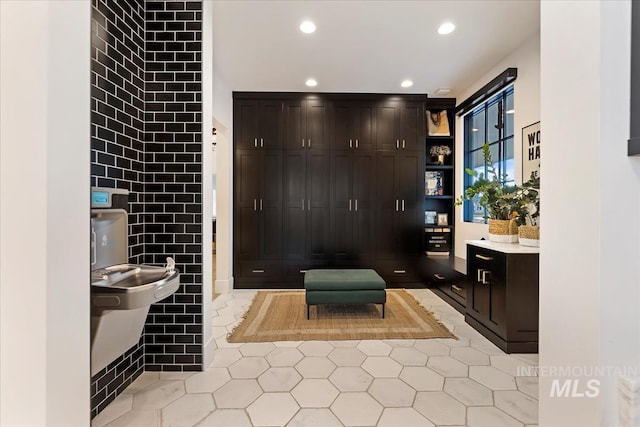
396,272
259,271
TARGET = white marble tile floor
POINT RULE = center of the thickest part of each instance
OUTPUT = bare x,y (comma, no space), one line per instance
369,383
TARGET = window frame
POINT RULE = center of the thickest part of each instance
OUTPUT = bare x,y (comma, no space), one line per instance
500,145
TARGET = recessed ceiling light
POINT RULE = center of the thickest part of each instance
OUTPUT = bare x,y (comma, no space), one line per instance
307,27
311,82
406,83
446,28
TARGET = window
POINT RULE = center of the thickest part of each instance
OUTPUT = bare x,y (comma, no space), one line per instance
490,122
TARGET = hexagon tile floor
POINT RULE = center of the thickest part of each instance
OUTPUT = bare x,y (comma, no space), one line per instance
421,383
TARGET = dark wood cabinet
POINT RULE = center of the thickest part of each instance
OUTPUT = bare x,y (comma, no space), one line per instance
306,206
258,220
399,208
329,194
307,124
352,207
257,124
354,125
400,125
502,296
446,276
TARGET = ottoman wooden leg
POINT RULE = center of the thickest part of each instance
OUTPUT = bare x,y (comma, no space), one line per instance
307,311
383,310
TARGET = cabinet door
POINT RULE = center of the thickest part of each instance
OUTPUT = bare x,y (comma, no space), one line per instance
341,205
387,125
318,233
295,131
388,206
363,118
247,195
246,124
270,205
342,126
294,205
317,124
409,188
363,212
412,123
270,124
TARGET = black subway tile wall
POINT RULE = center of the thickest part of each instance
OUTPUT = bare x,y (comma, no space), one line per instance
146,136
173,191
117,148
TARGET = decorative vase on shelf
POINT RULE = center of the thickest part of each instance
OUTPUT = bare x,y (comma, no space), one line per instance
503,230
529,235
441,159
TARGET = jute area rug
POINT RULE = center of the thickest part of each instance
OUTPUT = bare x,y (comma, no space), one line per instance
282,316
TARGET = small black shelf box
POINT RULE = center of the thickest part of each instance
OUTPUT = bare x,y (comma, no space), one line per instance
438,240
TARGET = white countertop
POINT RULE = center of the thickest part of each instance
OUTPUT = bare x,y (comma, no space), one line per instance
508,248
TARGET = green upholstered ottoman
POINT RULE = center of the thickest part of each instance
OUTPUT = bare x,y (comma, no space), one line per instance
344,286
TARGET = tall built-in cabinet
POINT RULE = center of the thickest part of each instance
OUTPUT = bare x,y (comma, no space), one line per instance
327,180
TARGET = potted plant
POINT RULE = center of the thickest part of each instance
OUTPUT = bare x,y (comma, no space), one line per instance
439,152
502,203
529,213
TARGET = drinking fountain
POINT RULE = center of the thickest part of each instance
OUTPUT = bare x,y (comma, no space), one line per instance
121,293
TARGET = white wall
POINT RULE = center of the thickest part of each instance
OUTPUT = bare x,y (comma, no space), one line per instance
44,213
589,270
208,167
527,105
223,113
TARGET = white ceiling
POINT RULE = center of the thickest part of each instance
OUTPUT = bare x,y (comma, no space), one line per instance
366,46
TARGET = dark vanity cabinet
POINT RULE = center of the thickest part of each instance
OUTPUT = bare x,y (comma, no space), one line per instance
502,294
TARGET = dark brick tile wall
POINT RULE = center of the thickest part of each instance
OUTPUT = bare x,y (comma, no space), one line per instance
117,149
173,190
146,136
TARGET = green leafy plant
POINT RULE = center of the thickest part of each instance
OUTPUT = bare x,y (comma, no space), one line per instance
529,196
499,201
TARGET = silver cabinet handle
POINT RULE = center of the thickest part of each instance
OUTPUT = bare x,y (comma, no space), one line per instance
399,271
484,257
261,142
397,143
356,142
303,271
309,142
350,143
402,205
482,276
456,288
403,144
260,204
302,204
349,204
255,142
302,142
397,204
255,206
257,271
356,205
308,204
439,277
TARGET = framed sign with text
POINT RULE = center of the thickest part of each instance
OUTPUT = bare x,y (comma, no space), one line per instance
530,151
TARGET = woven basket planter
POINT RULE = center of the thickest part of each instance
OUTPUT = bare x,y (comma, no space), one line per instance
529,235
503,230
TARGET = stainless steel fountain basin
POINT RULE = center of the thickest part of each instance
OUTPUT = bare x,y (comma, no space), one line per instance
130,286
